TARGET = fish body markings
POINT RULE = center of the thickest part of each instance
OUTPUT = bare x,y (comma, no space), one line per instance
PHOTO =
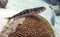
28,12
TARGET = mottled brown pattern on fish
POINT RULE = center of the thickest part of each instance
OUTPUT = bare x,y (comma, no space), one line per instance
29,12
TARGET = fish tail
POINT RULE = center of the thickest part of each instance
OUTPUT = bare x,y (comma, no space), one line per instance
8,18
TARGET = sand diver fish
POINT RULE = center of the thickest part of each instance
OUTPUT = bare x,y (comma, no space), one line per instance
28,12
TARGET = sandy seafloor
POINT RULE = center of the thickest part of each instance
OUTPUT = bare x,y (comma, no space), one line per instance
15,6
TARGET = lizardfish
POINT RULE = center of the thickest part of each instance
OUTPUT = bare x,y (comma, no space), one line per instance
28,12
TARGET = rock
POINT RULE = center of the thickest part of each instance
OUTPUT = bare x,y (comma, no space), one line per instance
33,26
3,3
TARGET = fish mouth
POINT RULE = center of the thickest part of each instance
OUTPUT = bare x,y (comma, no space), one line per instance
42,9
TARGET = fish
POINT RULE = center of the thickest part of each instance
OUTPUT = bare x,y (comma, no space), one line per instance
28,12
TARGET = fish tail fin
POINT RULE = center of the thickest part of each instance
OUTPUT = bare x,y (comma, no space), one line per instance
8,18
